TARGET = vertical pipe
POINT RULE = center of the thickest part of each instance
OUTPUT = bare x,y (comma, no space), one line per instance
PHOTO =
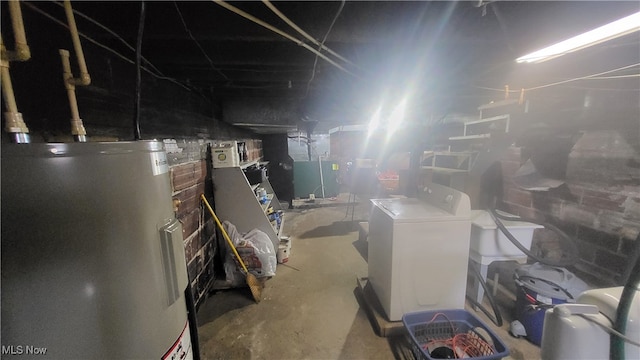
631,287
7,90
136,113
193,321
22,52
309,144
321,177
67,76
14,124
77,128
84,79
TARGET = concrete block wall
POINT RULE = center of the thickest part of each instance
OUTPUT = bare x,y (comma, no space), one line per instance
599,204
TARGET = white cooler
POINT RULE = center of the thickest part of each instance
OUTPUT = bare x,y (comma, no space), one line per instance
489,244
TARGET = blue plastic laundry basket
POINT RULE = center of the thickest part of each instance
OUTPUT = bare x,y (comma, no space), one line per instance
428,330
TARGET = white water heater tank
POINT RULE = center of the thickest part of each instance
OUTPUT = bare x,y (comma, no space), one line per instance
93,263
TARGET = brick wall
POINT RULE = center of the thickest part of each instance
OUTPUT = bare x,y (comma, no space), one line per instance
254,149
599,204
190,177
190,172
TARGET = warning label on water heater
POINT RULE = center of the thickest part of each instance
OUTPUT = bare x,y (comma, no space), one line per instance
181,349
159,164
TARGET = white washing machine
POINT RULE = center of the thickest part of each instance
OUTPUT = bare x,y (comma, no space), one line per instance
418,251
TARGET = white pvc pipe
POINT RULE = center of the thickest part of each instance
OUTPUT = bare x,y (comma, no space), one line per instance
281,33
14,124
77,128
84,78
22,52
7,87
302,32
67,76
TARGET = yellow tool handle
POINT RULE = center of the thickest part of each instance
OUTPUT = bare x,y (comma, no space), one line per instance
224,232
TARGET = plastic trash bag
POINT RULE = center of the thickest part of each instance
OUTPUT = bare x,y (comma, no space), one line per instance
256,250
263,249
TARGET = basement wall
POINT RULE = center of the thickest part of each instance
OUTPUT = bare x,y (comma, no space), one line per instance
106,106
598,206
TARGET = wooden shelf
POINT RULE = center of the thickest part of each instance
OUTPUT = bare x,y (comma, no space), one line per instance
428,154
471,137
278,229
236,201
486,120
245,165
447,161
265,206
497,104
443,170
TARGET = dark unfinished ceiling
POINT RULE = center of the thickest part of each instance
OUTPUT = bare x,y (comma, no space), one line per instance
444,54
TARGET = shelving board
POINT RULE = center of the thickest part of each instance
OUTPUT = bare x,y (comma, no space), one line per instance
278,229
486,120
471,137
245,165
265,206
496,104
236,201
444,170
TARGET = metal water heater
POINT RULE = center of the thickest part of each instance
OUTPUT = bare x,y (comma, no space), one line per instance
93,262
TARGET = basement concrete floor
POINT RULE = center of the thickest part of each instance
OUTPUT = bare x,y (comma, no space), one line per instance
310,309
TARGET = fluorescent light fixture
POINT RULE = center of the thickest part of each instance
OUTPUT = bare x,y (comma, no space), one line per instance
618,28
